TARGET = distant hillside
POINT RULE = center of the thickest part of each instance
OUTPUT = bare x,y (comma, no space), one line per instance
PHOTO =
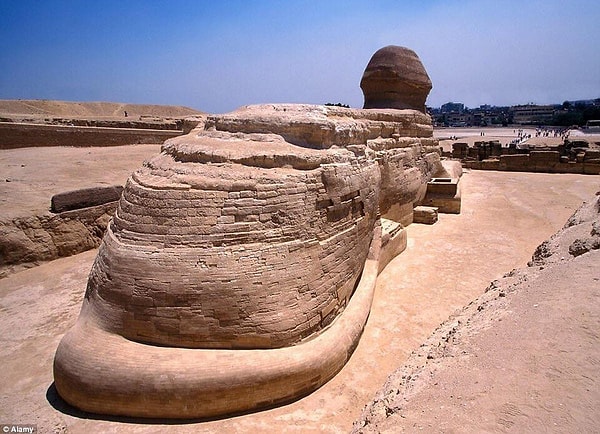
68,109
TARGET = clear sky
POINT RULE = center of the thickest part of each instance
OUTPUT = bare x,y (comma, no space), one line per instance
218,55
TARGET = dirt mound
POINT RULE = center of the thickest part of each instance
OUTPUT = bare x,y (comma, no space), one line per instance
68,109
523,356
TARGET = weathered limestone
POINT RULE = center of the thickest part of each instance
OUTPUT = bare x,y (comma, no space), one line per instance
14,135
239,267
425,214
393,241
85,198
395,78
26,241
37,123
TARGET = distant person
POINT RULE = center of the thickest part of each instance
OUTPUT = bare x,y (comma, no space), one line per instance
125,111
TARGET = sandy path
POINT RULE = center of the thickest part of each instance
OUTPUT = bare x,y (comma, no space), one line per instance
530,367
505,216
523,357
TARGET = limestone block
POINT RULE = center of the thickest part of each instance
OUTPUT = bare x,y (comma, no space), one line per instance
591,154
393,241
544,161
451,169
460,150
443,186
85,197
444,194
490,164
517,162
425,214
591,167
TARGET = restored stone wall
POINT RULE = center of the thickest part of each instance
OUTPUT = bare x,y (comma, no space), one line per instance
232,255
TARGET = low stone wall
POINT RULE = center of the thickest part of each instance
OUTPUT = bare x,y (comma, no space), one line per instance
15,135
538,161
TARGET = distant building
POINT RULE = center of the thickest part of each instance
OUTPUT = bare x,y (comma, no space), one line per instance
453,107
459,119
593,125
532,114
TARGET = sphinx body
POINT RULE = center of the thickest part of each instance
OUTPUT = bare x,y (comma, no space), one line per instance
239,268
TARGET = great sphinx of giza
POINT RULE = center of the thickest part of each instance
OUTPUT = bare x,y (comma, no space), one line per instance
239,268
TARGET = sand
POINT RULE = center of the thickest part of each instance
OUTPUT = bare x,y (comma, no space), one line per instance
523,357
446,265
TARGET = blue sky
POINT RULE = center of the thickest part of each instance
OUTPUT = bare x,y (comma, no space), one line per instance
218,55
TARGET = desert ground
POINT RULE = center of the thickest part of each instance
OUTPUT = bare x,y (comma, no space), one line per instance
505,216
470,135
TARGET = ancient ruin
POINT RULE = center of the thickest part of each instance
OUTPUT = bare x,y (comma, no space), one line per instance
575,156
239,267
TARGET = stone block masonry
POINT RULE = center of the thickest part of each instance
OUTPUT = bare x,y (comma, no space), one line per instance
566,158
539,161
244,241
443,194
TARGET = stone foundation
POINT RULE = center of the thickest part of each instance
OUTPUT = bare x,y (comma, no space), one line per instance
443,194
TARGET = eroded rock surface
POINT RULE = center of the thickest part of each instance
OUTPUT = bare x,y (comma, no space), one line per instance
27,241
235,239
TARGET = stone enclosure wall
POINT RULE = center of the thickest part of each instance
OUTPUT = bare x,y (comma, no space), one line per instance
540,161
14,135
